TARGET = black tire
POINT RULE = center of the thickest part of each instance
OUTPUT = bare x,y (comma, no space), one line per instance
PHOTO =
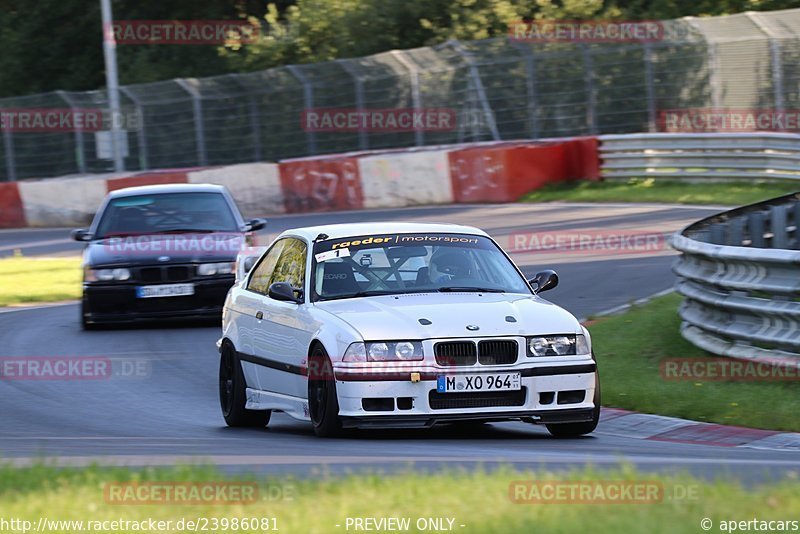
323,403
574,430
232,397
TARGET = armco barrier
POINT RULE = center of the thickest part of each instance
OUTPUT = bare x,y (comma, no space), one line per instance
487,172
739,272
504,173
321,184
12,213
702,155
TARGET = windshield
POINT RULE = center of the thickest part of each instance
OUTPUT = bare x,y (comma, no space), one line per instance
166,212
411,263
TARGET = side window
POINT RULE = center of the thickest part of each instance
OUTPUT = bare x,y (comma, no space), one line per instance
262,273
291,266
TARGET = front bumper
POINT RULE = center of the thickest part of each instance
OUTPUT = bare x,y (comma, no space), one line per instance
550,394
117,303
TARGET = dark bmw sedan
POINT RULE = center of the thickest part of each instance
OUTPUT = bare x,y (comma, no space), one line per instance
161,251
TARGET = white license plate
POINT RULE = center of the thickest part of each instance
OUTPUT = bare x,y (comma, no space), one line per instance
165,290
482,382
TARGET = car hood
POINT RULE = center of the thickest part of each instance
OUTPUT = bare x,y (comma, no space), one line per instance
163,249
398,316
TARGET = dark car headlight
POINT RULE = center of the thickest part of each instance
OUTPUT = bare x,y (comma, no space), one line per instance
106,275
558,345
210,269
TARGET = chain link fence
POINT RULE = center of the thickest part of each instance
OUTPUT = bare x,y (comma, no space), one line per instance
499,88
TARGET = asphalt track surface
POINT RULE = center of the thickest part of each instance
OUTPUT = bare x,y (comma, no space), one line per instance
169,412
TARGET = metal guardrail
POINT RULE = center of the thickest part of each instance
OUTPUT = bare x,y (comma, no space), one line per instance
760,155
739,272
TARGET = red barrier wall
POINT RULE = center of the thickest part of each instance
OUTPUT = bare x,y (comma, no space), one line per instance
504,173
12,214
321,184
146,179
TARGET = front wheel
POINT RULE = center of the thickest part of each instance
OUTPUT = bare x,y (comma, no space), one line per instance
323,403
232,395
574,430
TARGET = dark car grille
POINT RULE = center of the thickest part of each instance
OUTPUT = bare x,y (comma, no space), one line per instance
500,352
488,399
171,273
452,353
487,352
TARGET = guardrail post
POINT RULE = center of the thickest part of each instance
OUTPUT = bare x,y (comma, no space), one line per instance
778,222
308,103
755,225
416,95
141,134
199,131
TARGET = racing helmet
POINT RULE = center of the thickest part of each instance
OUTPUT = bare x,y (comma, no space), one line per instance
447,264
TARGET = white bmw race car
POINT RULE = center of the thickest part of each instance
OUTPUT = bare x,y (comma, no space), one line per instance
401,325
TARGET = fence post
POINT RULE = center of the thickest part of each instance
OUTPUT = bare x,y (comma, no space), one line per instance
416,96
308,103
649,85
591,98
8,146
80,157
530,85
476,79
199,131
363,138
255,123
141,134
775,58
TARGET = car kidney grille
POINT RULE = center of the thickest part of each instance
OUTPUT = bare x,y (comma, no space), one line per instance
172,273
451,401
455,353
487,352
499,352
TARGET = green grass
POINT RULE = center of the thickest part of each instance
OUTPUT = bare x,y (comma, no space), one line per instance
659,190
478,499
629,348
28,280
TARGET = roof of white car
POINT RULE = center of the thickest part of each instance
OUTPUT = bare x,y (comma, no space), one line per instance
337,231
166,188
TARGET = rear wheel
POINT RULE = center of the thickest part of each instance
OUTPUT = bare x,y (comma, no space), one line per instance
323,403
232,395
574,430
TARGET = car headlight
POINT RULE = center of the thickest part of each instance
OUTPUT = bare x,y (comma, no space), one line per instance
384,351
106,275
210,269
559,345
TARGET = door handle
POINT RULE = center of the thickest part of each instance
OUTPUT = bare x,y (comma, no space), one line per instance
259,315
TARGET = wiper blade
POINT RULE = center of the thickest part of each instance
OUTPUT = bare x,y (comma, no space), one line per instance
185,231
465,289
359,294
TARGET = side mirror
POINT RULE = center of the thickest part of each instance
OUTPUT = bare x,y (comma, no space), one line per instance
248,264
256,224
81,234
284,291
543,281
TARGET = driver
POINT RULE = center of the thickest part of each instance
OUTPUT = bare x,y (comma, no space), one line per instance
449,264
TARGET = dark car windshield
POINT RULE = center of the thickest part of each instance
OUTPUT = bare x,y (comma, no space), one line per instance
412,263
166,212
